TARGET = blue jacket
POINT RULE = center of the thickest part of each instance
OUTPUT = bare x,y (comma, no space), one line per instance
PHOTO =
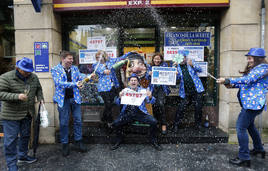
193,73
152,86
142,107
106,82
60,80
253,87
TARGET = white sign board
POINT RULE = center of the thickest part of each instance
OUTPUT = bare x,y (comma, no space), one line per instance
87,56
111,52
164,75
98,43
131,97
204,66
195,52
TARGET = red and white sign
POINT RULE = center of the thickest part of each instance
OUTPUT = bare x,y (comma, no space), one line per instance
111,51
131,97
98,43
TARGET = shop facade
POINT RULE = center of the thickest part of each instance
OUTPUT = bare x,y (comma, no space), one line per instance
234,27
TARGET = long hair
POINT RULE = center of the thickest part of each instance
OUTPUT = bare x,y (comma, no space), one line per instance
103,54
257,61
157,54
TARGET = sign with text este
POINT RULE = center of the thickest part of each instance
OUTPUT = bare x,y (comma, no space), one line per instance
41,56
187,38
164,75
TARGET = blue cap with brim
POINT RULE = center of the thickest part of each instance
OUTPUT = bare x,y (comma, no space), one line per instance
25,64
258,52
133,75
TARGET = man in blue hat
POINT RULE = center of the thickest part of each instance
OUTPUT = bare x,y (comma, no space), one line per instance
130,113
18,90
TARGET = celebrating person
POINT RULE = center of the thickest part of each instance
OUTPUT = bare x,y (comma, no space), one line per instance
252,98
108,82
130,113
67,79
191,88
18,90
159,92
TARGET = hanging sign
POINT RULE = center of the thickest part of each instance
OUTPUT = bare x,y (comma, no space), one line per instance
41,56
187,38
164,75
96,43
87,56
111,52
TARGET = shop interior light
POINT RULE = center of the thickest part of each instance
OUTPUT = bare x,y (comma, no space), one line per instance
173,27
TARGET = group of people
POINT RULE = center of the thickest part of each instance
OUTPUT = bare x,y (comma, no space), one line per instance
18,104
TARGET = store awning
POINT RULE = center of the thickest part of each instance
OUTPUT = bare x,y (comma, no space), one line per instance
77,5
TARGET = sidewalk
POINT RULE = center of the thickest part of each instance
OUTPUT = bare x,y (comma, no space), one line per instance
140,157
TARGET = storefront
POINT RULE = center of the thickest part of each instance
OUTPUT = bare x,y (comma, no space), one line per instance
141,25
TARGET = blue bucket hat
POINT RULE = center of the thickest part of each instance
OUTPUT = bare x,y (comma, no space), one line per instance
25,64
258,52
133,75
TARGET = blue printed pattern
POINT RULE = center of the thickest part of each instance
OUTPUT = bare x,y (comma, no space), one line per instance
164,87
193,73
253,87
106,82
142,107
60,80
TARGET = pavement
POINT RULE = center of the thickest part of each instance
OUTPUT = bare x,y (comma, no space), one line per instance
140,157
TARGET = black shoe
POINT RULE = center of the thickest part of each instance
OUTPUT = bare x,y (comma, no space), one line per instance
239,162
80,146
256,152
27,160
116,145
157,146
65,150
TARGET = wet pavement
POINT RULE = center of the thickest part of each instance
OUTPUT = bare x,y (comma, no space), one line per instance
140,157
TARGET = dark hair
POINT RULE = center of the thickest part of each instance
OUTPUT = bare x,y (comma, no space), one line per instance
257,61
64,54
157,54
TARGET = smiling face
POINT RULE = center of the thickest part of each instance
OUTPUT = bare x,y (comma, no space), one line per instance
67,61
250,60
157,60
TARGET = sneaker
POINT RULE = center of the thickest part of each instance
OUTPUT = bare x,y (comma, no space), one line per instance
80,146
27,159
65,150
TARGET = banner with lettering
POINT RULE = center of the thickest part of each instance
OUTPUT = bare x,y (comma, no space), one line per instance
96,43
131,97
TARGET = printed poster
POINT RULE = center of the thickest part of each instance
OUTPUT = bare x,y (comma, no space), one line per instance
87,56
164,75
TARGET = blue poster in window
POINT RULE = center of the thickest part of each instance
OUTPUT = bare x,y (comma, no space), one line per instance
41,56
187,38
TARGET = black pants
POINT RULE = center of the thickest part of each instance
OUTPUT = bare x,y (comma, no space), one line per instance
131,114
197,100
159,106
108,98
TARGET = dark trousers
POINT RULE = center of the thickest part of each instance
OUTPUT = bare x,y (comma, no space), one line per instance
134,115
11,130
159,106
244,123
197,100
108,98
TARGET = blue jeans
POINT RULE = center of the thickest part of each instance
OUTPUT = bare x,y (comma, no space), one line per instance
245,122
11,130
64,115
